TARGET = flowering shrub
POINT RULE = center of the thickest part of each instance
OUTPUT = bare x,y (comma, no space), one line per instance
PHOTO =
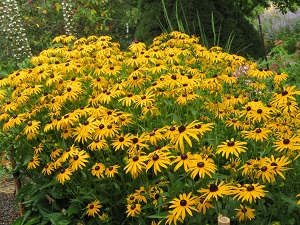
173,133
278,26
15,40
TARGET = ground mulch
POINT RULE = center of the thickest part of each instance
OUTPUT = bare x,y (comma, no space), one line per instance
9,210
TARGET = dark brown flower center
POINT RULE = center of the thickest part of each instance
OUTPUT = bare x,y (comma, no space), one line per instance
250,188
181,129
264,168
135,140
155,157
97,167
92,206
230,143
244,210
184,156
213,188
121,139
274,164
200,164
135,158
259,111
258,130
133,206
183,202
75,157
286,141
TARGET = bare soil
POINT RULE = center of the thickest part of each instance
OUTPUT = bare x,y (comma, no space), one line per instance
9,211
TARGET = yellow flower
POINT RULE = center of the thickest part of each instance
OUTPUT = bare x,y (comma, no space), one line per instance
244,213
64,175
98,170
158,159
133,209
135,165
249,192
111,171
201,166
184,134
182,206
287,143
121,142
231,147
78,160
183,160
32,127
215,191
84,131
34,162
93,208
203,205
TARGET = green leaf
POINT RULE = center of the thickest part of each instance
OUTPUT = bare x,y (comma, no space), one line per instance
58,219
34,220
159,216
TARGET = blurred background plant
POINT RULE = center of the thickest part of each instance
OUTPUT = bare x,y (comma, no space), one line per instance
279,28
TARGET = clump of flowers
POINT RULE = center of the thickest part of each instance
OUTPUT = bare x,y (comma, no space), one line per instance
17,45
165,134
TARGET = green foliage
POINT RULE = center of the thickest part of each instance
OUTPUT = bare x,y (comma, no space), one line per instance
249,7
227,20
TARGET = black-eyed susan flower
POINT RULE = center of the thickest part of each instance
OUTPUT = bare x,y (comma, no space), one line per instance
98,170
122,141
135,165
215,191
244,213
184,160
138,142
97,144
48,169
83,132
32,127
133,209
111,171
79,160
287,143
93,208
34,162
64,175
182,206
231,147
202,205
249,192
128,100
286,95
279,164
159,159
55,153
266,173
201,166
257,134
184,134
